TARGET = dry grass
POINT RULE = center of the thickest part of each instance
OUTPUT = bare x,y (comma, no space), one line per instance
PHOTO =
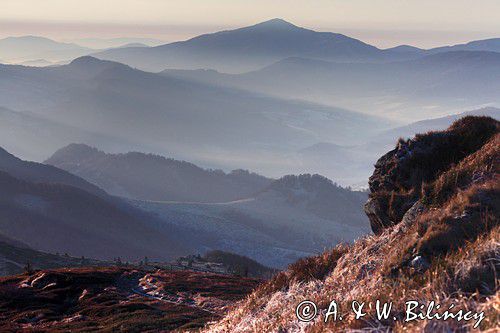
458,277
457,235
106,300
402,176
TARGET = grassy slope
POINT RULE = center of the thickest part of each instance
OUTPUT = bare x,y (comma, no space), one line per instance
456,232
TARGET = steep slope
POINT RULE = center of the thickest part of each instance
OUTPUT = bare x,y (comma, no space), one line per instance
430,86
444,248
54,211
153,177
246,49
293,217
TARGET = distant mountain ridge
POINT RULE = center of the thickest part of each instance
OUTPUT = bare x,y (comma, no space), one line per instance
34,137
253,47
152,177
28,48
233,51
107,102
427,86
44,209
247,48
353,164
491,44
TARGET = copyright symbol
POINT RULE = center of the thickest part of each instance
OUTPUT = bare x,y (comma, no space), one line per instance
306,311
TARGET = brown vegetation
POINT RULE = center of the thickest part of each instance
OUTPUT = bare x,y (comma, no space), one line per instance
115,299
435,210
403,174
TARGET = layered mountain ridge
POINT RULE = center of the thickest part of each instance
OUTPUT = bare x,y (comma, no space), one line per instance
291,217
152,177
246,48
54,211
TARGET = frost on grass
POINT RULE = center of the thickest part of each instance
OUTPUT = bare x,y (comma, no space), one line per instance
445,214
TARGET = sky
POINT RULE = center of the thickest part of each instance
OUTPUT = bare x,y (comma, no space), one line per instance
384,23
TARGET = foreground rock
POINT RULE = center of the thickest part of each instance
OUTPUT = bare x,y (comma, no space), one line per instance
401,175
434,207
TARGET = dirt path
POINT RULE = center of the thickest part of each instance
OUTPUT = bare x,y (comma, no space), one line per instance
159,296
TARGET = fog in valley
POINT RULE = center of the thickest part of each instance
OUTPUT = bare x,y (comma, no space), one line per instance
257,141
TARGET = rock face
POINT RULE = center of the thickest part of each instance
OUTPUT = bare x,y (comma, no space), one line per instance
401,175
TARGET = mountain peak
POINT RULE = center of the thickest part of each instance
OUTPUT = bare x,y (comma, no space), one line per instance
73,151
275,23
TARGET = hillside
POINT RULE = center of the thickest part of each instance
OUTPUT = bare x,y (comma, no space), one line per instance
294,217
116,299
434,209
152,177
54,211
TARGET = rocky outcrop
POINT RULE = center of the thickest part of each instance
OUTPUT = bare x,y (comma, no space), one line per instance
441,191
402,176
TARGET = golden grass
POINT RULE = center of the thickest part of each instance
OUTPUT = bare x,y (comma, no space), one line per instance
457,234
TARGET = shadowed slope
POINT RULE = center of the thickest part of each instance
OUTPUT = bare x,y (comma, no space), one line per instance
52,210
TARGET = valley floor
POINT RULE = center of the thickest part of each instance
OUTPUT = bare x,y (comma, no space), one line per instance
112,298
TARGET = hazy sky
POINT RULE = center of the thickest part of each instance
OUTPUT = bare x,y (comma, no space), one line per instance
424,23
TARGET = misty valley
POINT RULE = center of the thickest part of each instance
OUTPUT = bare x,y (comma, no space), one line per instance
214,183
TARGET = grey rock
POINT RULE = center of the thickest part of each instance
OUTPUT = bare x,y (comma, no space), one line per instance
411,214
419,263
